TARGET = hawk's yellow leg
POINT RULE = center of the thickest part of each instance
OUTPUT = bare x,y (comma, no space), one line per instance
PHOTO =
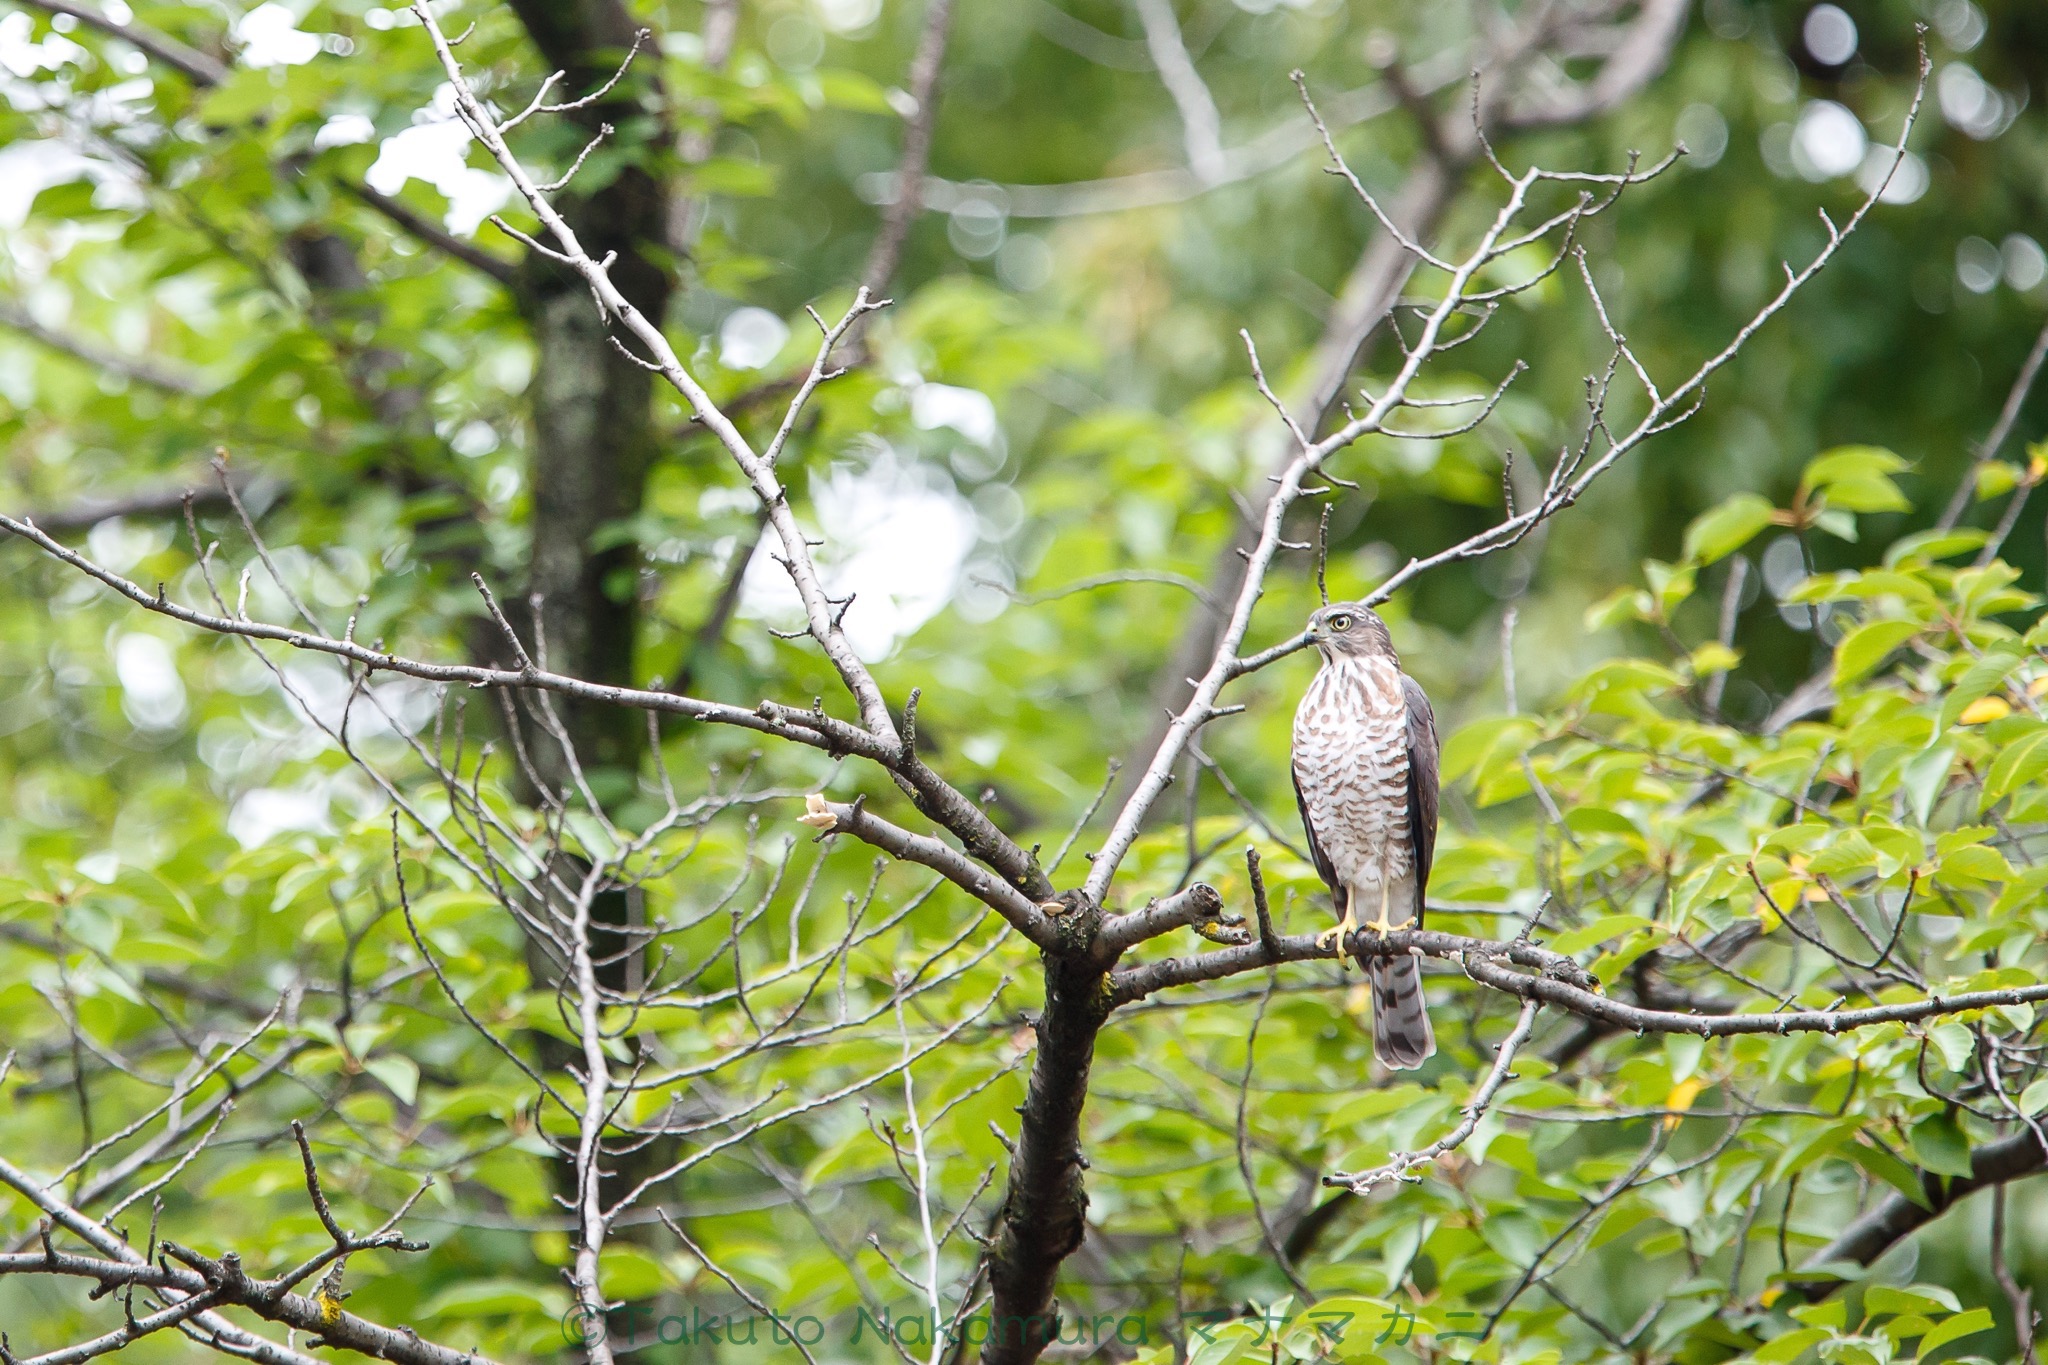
1380,925
1330,938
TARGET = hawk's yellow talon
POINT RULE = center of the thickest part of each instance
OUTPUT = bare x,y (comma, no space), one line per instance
1332,937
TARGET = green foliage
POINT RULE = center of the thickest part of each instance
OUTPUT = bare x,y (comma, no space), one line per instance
183,852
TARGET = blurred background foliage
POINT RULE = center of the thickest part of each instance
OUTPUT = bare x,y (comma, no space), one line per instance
1059,393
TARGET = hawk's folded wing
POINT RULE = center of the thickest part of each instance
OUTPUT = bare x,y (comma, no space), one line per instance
1422,786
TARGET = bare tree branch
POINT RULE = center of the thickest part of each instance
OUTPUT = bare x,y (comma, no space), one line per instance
922,85
1397,1166
1410,215
1568,481
1994,441
1201,125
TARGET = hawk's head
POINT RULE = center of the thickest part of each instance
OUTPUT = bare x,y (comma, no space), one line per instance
1350,630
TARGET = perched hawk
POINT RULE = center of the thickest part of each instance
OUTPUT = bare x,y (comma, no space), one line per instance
1365,774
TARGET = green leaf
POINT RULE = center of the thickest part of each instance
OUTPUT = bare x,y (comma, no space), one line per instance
1924,777
490,1298
629,1272
1602,930
2019,762
1978,680
1888,1168
1975,863
1224,1345
1857,1351
1851,462
1955,1044
1933,545
1787,1347
1912,1298
1670,585
1996,478
2034,1098
401,1074
1723,529
1866,495
1857,479
1955,1328
1477,742
1867,646
1837,522
1940,1146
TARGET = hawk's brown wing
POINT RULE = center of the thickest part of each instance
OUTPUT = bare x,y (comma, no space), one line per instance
1315,845
1422,786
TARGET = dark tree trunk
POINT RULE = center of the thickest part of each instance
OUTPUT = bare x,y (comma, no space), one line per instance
593,427
594,442
1044,1215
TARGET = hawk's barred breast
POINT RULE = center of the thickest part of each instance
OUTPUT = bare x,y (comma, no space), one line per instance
1351,763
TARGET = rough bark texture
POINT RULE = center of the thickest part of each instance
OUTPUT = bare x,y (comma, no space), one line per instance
1045,1206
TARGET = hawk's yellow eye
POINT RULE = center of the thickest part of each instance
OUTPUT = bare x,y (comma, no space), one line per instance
1340,622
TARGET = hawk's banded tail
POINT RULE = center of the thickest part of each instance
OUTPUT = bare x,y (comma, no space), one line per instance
1401,1035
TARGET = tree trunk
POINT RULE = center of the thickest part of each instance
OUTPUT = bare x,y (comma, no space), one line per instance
1044,1215
593,443
593,426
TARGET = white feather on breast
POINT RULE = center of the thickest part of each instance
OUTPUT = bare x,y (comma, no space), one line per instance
1351,760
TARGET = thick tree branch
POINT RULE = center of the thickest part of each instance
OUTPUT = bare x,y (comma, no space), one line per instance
1044,1215
1199,907
222,1281
1552,979
124,1264
1897,1217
